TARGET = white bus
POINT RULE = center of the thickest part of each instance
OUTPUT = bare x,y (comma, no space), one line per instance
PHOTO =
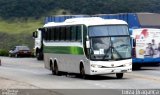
88,46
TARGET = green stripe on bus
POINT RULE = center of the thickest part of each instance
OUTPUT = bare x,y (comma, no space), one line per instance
63,50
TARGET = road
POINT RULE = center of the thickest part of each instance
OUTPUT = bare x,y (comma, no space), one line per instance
28,73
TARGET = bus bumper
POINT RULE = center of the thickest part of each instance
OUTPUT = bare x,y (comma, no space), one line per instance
101,71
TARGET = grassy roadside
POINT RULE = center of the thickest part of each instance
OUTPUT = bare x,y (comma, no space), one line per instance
17,32
20,25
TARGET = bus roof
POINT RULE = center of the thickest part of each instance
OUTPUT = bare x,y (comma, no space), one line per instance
88,21
143,31
149,29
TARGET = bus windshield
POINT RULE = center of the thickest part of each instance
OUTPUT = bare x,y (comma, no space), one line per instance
109,30
109,46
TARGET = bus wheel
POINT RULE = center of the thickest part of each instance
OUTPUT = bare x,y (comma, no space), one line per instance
56,72
82,72
119,75
52,68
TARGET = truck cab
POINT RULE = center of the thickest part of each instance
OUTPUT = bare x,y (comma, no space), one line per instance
38,44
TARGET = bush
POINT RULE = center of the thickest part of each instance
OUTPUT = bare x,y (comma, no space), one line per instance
4,52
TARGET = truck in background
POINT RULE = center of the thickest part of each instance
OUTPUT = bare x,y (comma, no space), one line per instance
38,44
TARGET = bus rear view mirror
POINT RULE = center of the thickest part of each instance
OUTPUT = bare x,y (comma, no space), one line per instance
87,44
34,34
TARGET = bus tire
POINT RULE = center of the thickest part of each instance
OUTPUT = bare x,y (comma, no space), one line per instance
52,67
82,72
119,75
56,72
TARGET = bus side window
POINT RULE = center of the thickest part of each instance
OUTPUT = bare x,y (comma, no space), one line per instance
56,36
73,33
62,34
68,34
49,34
52,34
59,33
78,33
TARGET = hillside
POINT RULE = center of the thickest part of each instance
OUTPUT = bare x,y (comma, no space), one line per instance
18,26
19,18
41,8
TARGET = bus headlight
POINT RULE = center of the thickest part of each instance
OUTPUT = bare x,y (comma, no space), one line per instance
128,64
99,66
96,66
93,65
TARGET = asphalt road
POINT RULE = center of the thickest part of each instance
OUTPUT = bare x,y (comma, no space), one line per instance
28,73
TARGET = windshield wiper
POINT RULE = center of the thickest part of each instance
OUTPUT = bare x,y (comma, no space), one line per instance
106,55
120,57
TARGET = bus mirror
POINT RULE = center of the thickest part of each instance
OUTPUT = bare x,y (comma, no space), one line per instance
87,44
34,35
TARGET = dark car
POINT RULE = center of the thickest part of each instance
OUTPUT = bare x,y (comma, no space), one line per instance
19,51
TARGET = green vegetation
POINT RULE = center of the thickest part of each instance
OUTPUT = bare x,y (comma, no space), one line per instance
8,41
41,8
3,52
19,18
20,26
17,32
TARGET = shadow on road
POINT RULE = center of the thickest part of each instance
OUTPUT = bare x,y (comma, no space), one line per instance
99,77
92,77
149,68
